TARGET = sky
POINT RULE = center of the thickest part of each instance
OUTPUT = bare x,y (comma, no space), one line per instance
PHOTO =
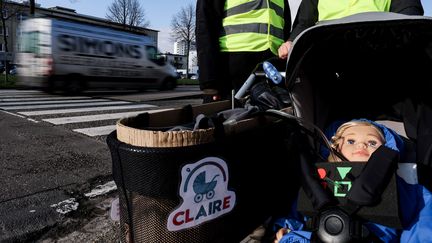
158,12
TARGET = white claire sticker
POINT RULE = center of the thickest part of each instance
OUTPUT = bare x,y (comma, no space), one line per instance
204,190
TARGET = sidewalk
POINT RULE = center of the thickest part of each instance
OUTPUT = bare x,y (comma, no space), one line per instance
99,228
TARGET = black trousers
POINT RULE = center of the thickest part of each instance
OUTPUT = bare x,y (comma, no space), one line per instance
237,66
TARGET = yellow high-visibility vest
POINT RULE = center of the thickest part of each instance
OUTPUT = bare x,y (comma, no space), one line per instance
252,25
334,9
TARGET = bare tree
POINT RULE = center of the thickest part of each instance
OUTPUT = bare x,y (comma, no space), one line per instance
7,11
127,12
183,29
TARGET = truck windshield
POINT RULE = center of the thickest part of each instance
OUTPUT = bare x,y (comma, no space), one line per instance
152,54
32,42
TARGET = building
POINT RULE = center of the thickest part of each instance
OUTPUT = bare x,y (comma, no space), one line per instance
17,12
193,61
180,47
178,61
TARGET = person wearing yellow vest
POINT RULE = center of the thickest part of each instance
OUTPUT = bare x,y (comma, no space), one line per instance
232,37
312,11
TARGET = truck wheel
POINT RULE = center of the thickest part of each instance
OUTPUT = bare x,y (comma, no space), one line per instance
169,83
49,87
74,85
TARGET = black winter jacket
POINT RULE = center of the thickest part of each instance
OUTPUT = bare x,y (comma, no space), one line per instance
209,15
307,15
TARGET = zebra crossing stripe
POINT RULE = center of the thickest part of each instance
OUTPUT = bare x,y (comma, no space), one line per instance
15,99
96,131
65,111
103,130
52,102
8,91
28,107
38,103
24,96
100,117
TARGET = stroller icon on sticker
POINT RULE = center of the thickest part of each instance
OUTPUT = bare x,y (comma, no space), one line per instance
201,187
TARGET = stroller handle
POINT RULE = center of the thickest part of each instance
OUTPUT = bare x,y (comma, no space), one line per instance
246,86
270,72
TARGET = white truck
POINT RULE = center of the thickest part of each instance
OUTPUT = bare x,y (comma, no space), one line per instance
71,56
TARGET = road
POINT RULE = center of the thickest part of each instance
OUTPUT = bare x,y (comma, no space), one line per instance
56,167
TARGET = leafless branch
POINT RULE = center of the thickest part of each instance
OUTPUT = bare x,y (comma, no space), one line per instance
128,13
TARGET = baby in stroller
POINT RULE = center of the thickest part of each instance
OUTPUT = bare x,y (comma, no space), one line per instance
367,141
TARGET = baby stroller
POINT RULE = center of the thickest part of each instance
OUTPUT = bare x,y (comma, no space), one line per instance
371,65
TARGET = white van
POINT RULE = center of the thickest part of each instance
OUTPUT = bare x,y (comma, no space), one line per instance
70,56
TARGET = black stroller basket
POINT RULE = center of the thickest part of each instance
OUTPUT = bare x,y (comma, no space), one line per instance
213,190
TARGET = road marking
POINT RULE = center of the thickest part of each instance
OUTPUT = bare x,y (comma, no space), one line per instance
24,96
66,206
28,107
32,120
103,108
31,104
96,131
19,91
13,114
52,102
101,117
43,98
102,189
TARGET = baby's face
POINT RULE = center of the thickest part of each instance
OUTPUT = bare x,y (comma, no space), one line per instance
359,142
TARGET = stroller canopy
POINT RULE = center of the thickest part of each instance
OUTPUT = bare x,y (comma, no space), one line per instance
365,65
376,66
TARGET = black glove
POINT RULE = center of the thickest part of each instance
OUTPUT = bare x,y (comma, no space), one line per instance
283,95
263,97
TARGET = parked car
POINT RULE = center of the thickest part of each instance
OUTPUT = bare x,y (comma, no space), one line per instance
13,70
193,76
9,68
